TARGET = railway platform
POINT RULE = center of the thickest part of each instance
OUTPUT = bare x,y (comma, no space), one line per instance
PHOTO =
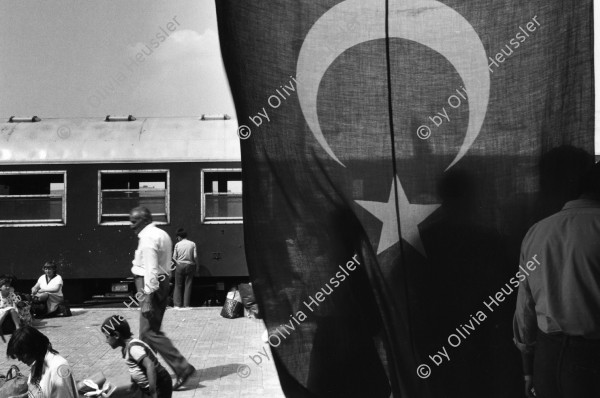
219,349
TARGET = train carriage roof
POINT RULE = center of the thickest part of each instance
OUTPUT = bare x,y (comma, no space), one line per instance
155,140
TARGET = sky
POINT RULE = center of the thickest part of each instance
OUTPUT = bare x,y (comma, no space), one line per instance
77,58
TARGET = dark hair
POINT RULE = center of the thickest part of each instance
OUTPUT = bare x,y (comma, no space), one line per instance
143,212
591,181
562,171
5,281
116,323
11,278
33,343
50,264
182,233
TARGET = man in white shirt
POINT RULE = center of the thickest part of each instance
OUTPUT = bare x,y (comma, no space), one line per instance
152,260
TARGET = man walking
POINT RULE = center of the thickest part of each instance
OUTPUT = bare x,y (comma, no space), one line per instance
185,256
151,271
557,322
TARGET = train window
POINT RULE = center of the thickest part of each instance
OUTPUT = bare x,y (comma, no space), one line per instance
221,196
119,191
33,198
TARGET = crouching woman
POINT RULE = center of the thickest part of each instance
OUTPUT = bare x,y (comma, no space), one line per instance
48,288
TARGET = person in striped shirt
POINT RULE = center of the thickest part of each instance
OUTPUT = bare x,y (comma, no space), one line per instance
150,377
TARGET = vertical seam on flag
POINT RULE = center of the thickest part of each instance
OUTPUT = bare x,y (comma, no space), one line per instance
395,171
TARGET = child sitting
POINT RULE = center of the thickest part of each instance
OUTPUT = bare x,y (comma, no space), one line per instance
146,372
8,305
24,310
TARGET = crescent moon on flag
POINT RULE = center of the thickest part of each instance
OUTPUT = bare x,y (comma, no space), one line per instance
427,22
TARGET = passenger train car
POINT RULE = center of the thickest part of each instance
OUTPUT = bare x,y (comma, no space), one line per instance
67,185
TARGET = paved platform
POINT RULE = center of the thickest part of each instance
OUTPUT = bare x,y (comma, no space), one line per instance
219,348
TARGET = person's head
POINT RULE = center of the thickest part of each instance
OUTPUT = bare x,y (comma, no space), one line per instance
49,268
590,186
29,345
181,234
4,286
561,173
11,278
116,330
139,217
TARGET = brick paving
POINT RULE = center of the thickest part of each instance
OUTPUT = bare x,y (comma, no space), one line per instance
219,348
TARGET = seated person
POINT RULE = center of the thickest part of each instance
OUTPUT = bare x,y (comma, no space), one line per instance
8,304
48,288
149,378
51,375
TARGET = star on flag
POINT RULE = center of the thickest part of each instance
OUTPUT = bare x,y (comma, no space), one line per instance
411,215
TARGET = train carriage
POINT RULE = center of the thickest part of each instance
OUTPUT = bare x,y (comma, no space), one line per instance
67,185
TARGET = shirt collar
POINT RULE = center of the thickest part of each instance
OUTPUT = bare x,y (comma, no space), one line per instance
581,203
146,229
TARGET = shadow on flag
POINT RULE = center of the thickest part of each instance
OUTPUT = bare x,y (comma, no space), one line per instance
407,135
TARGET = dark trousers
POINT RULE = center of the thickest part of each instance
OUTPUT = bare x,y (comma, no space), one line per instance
566,366
151,334
184,276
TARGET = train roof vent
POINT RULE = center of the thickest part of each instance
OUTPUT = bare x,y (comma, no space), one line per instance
110,118
223,116
14,119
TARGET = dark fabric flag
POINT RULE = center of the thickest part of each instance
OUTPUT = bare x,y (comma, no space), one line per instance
394,154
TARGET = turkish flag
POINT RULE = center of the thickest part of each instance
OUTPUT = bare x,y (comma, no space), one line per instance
391,157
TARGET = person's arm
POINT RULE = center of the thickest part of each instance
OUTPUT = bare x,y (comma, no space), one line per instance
175,254
54,286
151,375
150,260
196,261
62,383
54,289
36,288
525,331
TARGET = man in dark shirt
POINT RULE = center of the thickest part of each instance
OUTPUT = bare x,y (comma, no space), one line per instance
557,320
